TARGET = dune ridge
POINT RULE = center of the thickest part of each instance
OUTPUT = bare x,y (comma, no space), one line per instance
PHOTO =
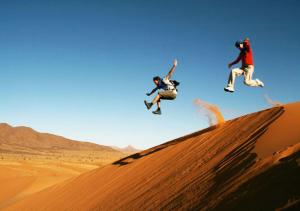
218,168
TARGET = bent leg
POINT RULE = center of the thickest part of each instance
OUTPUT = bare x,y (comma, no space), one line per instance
156,99
164,95
248,77
167,95
158,104
233,74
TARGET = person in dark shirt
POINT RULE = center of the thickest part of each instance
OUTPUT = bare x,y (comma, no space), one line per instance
167,89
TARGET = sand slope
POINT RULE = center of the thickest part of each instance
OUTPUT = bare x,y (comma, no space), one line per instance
31,161
20,179
231,167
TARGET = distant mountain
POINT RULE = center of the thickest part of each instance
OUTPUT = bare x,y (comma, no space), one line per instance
29,138
127,150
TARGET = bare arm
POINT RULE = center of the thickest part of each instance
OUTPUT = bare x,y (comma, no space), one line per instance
172,69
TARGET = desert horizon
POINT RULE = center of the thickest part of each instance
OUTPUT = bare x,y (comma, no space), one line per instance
191,165
31,161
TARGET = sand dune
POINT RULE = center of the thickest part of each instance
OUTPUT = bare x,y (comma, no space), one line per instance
276,137
249,163
31,161
18,180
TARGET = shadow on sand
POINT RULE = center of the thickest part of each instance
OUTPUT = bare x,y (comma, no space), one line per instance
276,188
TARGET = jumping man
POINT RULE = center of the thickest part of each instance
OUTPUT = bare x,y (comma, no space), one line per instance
167,87
247,68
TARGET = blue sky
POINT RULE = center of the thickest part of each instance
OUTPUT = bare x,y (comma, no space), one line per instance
81,68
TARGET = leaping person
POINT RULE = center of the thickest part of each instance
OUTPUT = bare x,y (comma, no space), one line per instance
167,87
247,68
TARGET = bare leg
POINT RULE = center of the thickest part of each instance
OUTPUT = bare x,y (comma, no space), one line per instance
156,100
158,104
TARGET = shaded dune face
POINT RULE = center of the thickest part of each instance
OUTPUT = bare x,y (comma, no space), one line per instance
217,168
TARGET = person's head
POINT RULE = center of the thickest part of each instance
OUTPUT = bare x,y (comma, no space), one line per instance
239,45
156,80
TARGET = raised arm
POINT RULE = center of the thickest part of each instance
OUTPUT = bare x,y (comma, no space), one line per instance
172,69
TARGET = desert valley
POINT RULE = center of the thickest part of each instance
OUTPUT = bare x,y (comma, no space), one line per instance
32,161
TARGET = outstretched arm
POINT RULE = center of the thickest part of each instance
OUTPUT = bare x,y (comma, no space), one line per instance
235,61
172,69
153,90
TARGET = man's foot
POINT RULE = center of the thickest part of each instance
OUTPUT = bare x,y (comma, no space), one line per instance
229,89
148,105
158,111
260,83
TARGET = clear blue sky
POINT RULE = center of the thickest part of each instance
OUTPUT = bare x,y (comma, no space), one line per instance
81,68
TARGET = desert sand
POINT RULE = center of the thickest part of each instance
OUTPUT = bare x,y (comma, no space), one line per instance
248,163
31,161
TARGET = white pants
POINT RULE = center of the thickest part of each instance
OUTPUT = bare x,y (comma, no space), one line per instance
247,72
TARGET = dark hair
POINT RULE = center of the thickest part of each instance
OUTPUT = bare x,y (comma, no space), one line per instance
156,78
237,43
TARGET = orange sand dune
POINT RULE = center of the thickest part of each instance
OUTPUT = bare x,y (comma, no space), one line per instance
249,163
31,161
18,180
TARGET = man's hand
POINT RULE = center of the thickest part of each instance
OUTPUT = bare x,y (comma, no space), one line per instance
229,66
148,94
175,62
